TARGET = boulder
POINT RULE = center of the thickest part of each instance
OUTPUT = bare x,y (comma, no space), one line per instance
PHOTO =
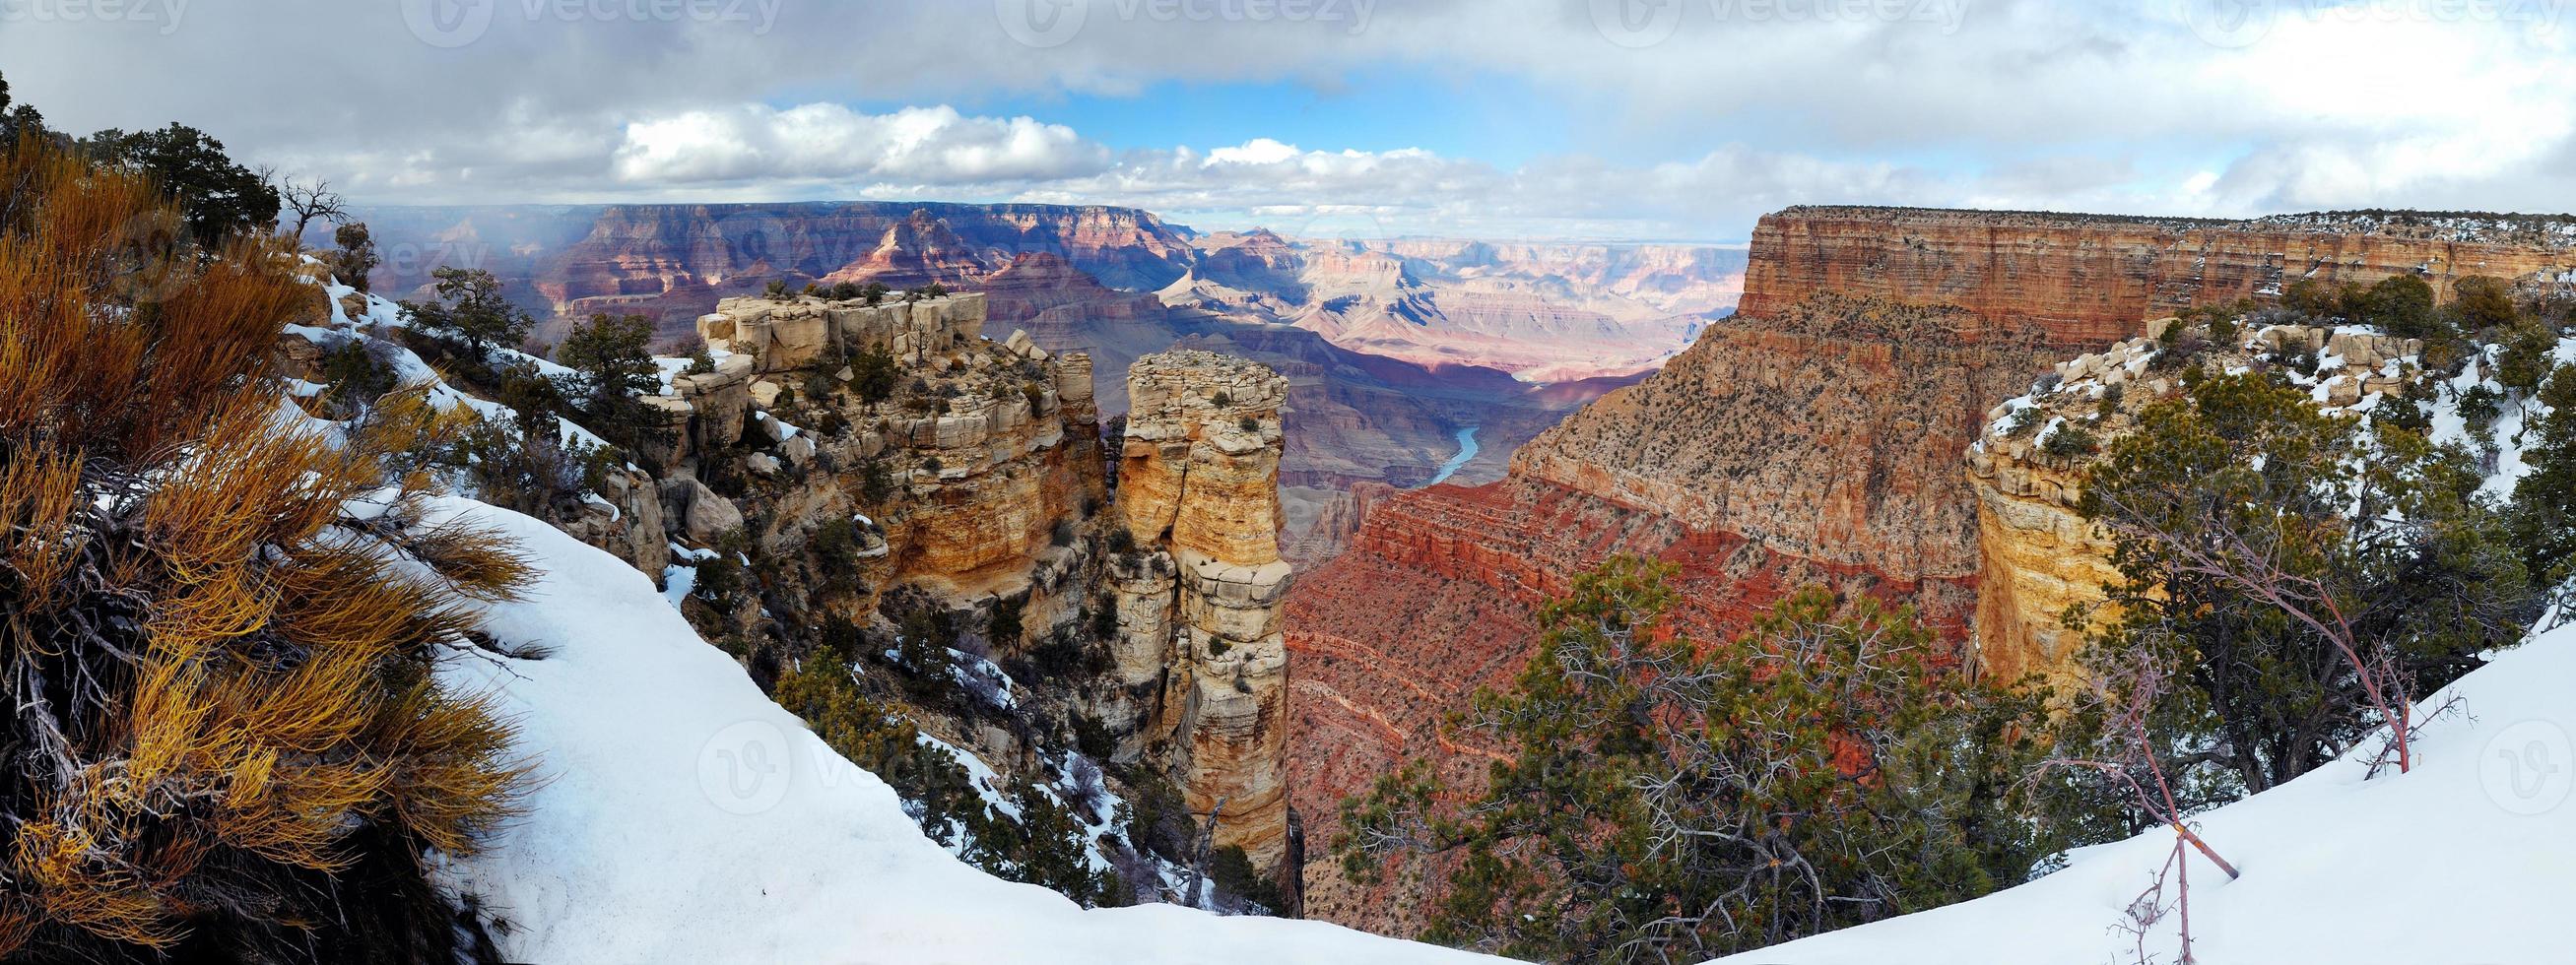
703,515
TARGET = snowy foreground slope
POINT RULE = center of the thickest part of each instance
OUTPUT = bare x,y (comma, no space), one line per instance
685,818
2471,858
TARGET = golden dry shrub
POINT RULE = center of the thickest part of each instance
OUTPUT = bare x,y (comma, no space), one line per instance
225,738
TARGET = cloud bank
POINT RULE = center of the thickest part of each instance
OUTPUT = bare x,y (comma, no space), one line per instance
1677,118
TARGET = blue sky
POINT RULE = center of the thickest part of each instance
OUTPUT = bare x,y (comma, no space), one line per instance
1594,119
1384,108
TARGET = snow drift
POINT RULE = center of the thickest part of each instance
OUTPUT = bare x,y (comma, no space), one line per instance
682,817
2471,857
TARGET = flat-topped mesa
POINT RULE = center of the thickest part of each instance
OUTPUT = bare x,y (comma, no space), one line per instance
2088,280
795,332
1200,599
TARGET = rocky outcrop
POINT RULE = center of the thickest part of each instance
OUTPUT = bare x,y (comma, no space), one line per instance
992,445
785,334
2086,280
675,262
1200,600
1819,445
919,250
2039,558
1351,418
1817,436
1084,279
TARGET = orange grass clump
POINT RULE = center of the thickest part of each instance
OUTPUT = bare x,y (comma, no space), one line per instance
225,737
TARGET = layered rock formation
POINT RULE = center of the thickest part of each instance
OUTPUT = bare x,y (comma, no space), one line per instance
1818,445
1200,599
1006,452
1816,436
1083,278
2039,557
677,261
783,335
1351,418
2091,279
1541,312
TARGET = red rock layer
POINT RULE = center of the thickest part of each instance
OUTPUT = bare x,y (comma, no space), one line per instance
676,261
1819,446
1817,436
2090,280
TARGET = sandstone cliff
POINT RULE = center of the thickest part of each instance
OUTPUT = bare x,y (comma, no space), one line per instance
1351,418
1199,600
2090,279
2039,556
1083,278
1816,436
677,261
1817,446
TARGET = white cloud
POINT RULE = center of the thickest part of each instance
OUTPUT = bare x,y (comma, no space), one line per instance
2117,105
924,145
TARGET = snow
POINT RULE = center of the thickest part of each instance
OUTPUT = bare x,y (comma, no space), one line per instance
2468,858
784,431
968,669
681,816
679,579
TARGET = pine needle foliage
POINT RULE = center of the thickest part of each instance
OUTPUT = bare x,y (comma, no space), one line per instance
225,740
1666,801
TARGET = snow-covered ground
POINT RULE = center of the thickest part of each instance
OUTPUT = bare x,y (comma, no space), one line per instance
2469,858
682,817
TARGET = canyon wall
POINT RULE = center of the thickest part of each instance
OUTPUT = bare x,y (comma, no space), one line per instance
2091,279
980,481
676,261
2040,556
1820,435
1085,279
1543,312
1199,600
1819,444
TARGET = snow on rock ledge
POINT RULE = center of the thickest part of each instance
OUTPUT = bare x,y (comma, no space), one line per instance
682,817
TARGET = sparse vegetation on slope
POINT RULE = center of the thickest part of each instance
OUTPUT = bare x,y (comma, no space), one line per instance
226,741
1668,800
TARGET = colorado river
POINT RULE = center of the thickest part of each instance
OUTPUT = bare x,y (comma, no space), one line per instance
1466,451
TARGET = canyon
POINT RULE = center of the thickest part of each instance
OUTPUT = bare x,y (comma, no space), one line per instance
1511,336
2088,280
1543,312
1819,435
1285,620
886,489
